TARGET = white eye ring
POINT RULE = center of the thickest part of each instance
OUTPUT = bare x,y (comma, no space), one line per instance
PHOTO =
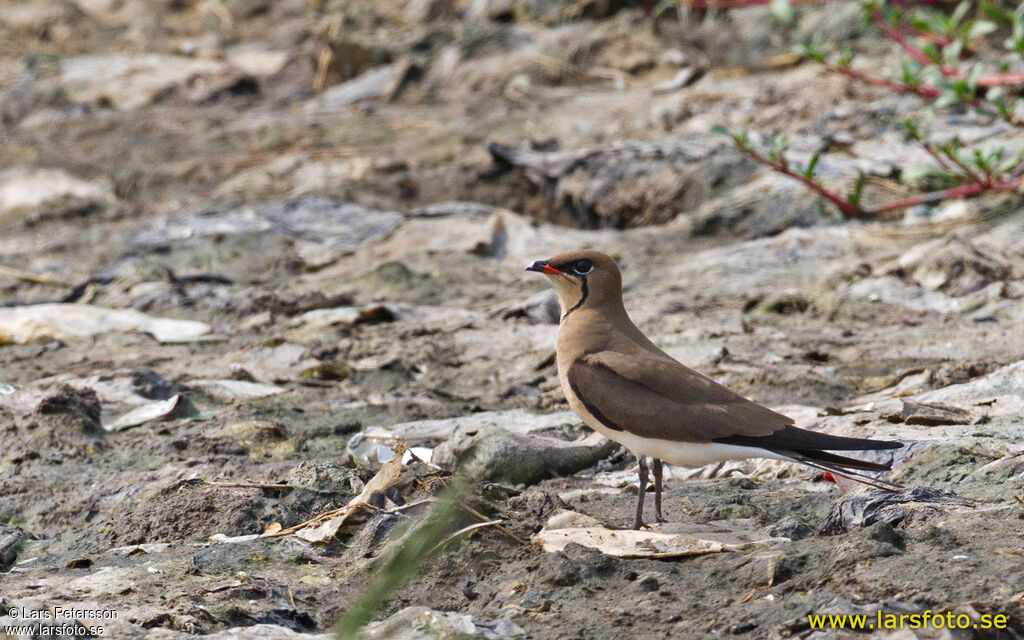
583,267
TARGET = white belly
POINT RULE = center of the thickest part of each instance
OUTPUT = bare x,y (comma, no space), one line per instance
687,454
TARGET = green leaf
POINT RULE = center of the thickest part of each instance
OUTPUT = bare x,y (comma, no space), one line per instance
1009,164
910,72
958,14
981,160
947,99
994,12
782,10
809,170
811,50
845,57
662,7
932,51
951,53
779,142
980,28
858,188
917,172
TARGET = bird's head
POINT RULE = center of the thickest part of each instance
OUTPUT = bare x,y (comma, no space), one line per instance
582,279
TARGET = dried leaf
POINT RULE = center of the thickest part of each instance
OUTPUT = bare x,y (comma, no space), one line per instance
326,529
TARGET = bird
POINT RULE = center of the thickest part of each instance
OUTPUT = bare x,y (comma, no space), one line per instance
627,389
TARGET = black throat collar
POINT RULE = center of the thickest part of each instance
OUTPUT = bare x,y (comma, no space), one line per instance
583,297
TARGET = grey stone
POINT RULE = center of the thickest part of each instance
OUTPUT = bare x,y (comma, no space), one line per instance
490,10
503,456
932,415
863,509
325,477
381,82
952,265
541,308
420,623
790,528
340,225
618,185
79,407
11,541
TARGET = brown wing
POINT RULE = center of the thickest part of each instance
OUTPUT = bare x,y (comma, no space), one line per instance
660,398
657,397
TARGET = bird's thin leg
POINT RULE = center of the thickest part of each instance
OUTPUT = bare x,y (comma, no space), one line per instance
657,491
638,522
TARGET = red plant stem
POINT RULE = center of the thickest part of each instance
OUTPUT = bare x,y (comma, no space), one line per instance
927,92
739,4
848,209
963,191
915,53
927,35
894,34
1000,79
934,153
964,169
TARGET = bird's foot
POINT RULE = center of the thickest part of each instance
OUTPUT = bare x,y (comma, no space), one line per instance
660,519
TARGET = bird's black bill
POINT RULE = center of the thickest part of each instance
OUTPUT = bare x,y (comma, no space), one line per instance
541,266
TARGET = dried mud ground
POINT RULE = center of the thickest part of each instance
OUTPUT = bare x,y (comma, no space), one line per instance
353,259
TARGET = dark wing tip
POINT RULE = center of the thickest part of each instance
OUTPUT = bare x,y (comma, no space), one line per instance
791,438
888,444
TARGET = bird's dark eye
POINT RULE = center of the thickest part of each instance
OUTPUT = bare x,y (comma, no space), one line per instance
583,267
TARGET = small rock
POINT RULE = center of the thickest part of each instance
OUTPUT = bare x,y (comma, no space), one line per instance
80,407
648,582
503,456
885,533
381,82
931,415
57,321
24,188
863,509
326,371
618,185
237,389
785,303
337,224
417,623
683,78
790,528
423,11
959,373
952,265
558,570
255,431
325,477
496,10
149,384
11,541
129,81
541,308
516,420
257,60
